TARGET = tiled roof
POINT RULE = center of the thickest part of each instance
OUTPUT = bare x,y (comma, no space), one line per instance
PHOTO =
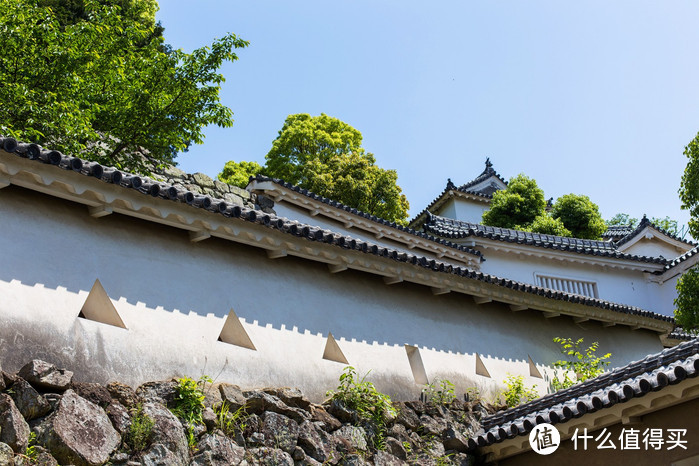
678,260
485,193
616,232
450,228
371,217
148,187
680,334
654,372
647,223
487,173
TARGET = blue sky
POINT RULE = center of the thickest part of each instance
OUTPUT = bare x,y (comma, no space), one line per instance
591,97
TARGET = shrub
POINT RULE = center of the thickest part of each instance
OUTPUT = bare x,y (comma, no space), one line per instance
370,404
516,394
439,392
140,431
585,364
189,404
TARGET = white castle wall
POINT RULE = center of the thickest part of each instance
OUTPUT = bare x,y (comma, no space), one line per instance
174,295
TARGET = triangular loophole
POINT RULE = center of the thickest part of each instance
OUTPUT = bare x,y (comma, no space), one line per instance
480,367
332,351
234,333
99,307
416,365
533,370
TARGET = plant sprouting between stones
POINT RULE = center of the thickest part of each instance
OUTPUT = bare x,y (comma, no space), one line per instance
370,404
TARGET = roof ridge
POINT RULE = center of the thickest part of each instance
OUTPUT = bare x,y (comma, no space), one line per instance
645,222
452,228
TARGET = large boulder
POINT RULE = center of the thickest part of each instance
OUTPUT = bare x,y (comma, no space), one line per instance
269,457
315,441
232,395
258,402
29,402
169,442
46,376
217,450
280,431
80,432
6,455
123,394
93,392
162,392
14,430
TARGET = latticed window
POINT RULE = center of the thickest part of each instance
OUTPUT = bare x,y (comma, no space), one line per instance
569,285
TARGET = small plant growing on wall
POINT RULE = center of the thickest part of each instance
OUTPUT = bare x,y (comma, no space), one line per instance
439,392
516,393
370,404
584,363
189,404
140,431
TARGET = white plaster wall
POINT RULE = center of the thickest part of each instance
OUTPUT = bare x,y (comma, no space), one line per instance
616,285
174,296
654,248
464,210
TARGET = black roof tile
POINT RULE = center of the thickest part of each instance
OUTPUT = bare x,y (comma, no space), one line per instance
647,223
637,378
450,228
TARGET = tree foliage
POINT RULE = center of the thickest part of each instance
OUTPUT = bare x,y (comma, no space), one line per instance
517,206
689,186
666,223
579,215
105,88
239,173
548,225
622,219
325,156
687,301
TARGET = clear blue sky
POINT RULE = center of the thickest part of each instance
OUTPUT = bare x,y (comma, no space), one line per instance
595,98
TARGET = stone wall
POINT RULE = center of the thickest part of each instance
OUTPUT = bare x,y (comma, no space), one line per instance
203,184
46,418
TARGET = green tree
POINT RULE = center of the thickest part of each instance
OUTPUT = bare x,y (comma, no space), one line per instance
517,206
687,301
105,88
689,186
239,173
325,156
622,219
579,215
548,225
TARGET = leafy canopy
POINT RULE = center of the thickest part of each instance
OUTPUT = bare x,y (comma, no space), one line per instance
517,206
689,186
105,88
548,225
687,301
325,155
579,215
239,173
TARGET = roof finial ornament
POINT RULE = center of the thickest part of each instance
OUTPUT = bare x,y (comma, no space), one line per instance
488,166
644,220
450,184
